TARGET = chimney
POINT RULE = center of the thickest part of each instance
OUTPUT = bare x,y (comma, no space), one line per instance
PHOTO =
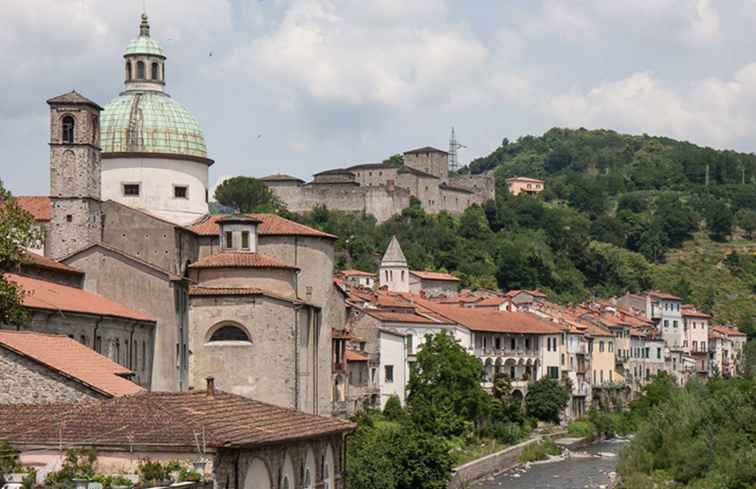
210,387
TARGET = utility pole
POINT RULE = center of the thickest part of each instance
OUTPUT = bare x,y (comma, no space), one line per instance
454,145
707,174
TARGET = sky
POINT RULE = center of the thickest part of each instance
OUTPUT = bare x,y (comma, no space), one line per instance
299,86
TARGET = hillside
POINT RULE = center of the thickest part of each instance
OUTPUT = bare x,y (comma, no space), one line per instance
620,213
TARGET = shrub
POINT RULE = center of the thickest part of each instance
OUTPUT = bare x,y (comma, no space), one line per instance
393,410
539,451
582,428
79,464
508,432
153,471
545,400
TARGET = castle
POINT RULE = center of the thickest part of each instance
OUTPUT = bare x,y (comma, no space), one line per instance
384,189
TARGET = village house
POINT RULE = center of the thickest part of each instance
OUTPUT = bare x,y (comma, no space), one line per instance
46,368
518,185
726,345
235,441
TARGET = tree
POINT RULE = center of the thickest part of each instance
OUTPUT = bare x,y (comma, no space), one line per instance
393,409
17,232
719,219
247,194
545,400
445,396
746,219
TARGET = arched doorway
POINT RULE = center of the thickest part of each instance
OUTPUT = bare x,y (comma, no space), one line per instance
489,370
258,476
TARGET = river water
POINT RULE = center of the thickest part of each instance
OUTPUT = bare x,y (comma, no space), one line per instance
572,473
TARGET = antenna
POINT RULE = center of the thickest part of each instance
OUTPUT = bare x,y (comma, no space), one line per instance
454,145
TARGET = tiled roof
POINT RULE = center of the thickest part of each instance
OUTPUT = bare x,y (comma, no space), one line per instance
455,188
728,330
435,276
692,312
72,97
280,177
162,420
39,261
71,359
491,301
400,317
355,356
373,166
415,171
493,320
228,259
524,179
39,206
425,149
239,291
356,273
335,171
271,225
663,295
40,294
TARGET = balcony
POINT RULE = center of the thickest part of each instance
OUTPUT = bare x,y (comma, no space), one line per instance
580,349
581,388
620,361
491,352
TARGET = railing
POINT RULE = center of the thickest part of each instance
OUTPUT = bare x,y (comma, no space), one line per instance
580,388
578,350
482,352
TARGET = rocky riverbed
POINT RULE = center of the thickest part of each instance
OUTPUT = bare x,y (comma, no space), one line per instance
589,468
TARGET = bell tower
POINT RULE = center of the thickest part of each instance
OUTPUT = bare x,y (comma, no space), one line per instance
74,174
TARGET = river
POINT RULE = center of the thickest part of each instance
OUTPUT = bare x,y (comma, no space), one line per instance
572,473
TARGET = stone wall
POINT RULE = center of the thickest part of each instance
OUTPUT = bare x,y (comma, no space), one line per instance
232,469
433,162
483,185
128,343
279,281
144,289
25,381
74,224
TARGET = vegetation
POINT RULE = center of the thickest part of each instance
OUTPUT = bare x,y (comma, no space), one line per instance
78,464
546,399
16,233
246,194
539,451
8,461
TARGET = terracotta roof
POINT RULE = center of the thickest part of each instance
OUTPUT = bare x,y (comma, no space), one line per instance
356,273
728,330
73,97
435,276
271,225
280,177
228,259
71,359
39,206
355,356
164,420
663,295
39,261
493,320
425,149
524,179
239,291
692,312
491,301
40,294
400,317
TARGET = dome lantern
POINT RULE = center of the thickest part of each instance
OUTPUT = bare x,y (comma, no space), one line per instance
144,61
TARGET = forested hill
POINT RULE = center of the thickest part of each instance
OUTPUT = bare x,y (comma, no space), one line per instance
630,162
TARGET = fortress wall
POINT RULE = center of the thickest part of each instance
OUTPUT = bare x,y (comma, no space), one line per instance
436,164
484,185
375,177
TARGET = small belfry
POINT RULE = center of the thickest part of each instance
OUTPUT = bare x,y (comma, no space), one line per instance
394,271
144,61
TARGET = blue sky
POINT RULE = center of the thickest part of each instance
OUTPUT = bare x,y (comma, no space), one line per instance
328,83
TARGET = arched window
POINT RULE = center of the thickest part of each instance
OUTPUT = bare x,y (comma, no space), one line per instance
128,70
68,129
229,332
155,72
140,70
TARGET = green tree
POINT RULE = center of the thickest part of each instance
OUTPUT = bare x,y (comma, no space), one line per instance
17,232
546,399
247,194
746,219
444,393
393,411
719,219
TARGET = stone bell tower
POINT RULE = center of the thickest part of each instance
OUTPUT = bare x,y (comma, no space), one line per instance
76,216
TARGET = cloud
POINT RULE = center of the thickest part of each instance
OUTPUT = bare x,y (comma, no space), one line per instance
710,111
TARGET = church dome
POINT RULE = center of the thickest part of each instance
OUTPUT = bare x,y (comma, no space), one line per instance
150,122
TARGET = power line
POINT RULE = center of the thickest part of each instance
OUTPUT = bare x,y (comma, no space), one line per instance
454,145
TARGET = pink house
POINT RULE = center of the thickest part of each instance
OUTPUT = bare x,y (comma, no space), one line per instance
529,185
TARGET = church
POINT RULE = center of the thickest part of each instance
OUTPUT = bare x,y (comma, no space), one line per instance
245,299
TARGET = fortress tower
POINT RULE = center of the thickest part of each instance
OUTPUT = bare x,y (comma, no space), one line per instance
76,217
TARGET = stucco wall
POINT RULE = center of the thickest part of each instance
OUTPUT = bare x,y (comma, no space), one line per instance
433,288
279,281
142,289
393,354
25,381
157,178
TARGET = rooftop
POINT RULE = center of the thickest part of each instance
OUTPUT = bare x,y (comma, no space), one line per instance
39,261
355,356
164,420
425,149
493,320
74,98
280,177
71,359
356,273
228,259
447,277
39,206
270,225
40,294
524,179
239,291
